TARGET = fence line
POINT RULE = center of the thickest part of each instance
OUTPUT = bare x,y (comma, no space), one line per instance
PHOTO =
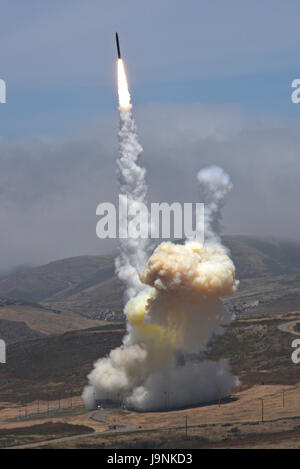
284,403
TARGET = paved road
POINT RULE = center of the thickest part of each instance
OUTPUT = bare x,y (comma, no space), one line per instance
289,327
100,416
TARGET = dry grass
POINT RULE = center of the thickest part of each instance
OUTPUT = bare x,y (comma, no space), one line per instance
12,416
236,423
244,406
47,322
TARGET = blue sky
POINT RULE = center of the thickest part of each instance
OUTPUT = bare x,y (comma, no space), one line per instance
58,58
210,83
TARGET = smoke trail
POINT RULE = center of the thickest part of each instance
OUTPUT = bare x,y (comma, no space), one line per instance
214,185
174,308
133,253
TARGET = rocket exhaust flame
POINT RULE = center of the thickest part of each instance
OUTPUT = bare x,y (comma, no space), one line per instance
174,306
123,92
124,96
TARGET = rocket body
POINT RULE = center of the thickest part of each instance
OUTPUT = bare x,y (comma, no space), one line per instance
118,46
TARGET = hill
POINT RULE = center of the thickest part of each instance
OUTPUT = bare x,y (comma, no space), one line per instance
15,331
86,286
53,367
21,320
263,257
67,275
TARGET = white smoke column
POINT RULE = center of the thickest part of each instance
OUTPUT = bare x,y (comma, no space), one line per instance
175,307
133,253
214,185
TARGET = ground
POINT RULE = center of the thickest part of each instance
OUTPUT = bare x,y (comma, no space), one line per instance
58,319
237,421
264,411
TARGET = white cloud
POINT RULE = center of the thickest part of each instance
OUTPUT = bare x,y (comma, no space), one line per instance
49,189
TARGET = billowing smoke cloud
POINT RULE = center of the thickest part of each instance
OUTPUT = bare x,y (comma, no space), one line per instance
174,308
171,325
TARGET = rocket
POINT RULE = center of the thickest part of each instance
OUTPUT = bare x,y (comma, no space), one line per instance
118,46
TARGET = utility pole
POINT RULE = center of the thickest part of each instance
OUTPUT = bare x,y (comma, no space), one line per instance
186,426
283,398
71,399
219,398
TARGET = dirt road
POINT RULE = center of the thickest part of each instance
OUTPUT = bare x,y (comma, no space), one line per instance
289,327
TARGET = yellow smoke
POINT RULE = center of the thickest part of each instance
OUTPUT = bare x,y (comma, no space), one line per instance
205,269
123,92
187,284
159,340
179,311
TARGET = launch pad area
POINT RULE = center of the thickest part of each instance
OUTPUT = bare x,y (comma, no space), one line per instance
263,412
238,423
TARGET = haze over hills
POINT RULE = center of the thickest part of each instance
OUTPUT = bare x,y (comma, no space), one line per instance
86,287
259,257
37,283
